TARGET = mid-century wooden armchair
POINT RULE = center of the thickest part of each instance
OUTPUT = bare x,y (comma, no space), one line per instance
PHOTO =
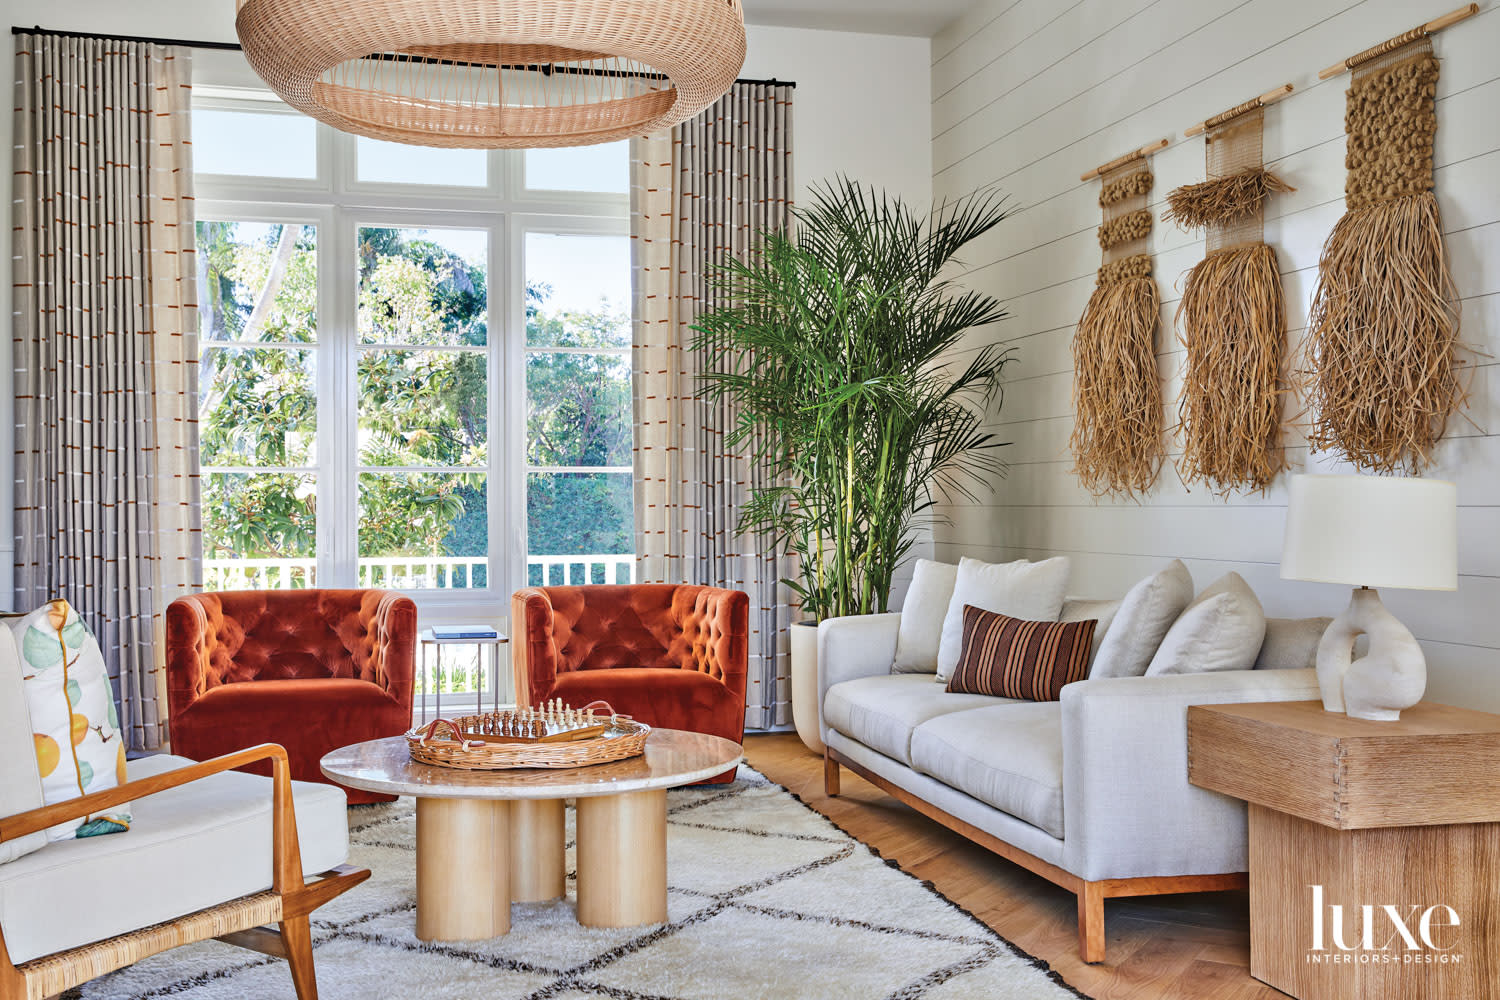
31,968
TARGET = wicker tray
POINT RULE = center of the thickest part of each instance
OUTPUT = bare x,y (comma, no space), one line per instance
555,738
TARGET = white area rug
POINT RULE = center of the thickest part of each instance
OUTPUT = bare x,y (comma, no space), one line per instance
768,900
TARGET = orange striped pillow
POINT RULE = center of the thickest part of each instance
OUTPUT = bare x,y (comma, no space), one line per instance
1011,658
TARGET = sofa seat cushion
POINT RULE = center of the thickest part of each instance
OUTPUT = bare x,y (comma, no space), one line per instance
882,711
1006,756
665,697
192,847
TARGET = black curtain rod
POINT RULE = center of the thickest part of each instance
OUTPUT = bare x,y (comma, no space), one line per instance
237,47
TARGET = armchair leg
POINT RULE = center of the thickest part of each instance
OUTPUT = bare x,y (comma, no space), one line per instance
1091,922
296,937
830,775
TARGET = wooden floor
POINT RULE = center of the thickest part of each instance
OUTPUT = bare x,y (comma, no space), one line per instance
1187,946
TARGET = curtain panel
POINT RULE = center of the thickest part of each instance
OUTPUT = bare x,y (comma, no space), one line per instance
700,197
106,353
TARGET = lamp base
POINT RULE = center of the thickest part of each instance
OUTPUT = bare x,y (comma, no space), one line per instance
1390,677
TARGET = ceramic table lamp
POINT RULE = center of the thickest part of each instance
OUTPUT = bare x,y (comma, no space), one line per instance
1368,532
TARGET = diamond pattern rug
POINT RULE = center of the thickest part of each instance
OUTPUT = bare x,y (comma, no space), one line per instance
768,899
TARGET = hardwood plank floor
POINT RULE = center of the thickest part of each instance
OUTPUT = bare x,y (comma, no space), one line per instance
1160,948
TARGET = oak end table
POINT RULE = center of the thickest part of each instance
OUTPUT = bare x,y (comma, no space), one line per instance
1374,846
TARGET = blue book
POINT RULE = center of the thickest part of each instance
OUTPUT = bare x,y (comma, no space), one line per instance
463,632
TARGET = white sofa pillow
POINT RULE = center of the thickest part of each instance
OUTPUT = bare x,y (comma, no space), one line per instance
1221,630
20,782
1081,609
1145,615
922,614
1030,591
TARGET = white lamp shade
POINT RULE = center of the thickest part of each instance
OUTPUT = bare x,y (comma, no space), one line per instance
1372,531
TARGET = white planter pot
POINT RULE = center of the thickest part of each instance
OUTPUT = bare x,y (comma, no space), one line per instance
805,714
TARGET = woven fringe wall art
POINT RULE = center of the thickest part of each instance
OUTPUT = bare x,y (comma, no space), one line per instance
1117,440
1382,372
1232,320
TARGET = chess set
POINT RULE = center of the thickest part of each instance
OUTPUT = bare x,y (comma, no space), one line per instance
555,735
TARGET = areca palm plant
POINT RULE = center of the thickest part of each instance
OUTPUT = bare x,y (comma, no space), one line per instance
842,356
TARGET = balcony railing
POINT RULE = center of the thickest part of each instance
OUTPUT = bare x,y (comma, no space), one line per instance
402,573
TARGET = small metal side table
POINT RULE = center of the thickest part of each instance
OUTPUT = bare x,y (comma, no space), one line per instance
432,642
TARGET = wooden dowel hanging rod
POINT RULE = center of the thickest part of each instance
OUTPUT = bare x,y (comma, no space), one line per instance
1269,97
1120,161
1420,31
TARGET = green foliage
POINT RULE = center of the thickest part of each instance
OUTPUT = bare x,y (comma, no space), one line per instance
840,352
415,407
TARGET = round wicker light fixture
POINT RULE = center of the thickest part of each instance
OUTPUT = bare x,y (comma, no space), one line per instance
488,74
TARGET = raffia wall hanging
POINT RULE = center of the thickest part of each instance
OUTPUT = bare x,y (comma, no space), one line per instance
1382,370
1117,403
1232,319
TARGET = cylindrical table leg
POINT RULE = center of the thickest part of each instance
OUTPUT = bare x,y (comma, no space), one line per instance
622,859
463,869
538,865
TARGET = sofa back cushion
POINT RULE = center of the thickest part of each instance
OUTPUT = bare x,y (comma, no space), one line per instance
1221,630
1291,643
1081,609
1145,615
922,613
1010,658
1031,591
20,782
75,728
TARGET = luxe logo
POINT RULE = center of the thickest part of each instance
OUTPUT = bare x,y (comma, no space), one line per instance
1382,932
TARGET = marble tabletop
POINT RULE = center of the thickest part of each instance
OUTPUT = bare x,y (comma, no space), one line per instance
672,757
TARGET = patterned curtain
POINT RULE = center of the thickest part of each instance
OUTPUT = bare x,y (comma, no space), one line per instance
700,197
106,349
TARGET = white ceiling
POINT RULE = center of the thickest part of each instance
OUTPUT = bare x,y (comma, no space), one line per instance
883,17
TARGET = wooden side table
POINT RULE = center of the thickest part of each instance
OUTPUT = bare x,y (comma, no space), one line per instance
1374,846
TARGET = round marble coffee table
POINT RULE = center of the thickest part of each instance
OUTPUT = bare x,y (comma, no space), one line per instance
486,838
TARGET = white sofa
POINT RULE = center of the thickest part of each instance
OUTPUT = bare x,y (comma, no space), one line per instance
1090,792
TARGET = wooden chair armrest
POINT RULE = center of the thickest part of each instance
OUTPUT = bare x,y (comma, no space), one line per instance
287,861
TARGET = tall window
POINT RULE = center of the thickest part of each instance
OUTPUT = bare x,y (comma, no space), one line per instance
415,366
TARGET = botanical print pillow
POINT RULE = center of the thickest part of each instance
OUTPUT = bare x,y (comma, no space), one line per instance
79,746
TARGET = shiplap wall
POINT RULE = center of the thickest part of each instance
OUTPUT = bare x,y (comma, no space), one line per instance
1028,94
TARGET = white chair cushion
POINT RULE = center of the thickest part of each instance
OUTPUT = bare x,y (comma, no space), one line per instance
1145,615
1006,756
922,613
189,848
881,711
20,782
1032,592
1081,609
1221,630
1291,643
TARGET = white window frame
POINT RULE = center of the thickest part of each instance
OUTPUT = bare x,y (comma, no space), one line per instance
339,205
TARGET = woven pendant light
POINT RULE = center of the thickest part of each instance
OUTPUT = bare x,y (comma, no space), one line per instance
488,74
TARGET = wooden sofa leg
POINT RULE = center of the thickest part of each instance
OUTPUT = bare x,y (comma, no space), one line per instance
1091,922
830,775
296,936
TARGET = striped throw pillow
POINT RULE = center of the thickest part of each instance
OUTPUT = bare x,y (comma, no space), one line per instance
1010,658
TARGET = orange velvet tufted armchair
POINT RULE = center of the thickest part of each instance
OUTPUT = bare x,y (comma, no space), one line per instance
669,655
313,670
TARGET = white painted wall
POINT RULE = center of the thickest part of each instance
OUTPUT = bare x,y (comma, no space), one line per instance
1027,95
862,107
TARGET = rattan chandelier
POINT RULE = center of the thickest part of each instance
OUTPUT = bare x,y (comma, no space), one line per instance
488,74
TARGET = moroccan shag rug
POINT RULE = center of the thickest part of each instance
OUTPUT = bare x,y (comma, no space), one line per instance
768,900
